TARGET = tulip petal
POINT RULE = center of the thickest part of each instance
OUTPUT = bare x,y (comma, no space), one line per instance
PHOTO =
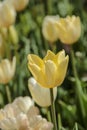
35,70
61,71
34,59
50,56
37,92
50,71
60,56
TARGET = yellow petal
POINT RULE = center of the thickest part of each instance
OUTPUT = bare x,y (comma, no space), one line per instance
61,71
34,69
34,59
60,56
50,56
50,73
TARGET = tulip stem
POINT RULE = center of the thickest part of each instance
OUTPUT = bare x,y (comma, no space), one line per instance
8,93
53,109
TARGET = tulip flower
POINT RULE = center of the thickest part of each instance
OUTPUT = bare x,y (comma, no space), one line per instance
48,29
69,29
7,14
21,114
50,71
7,70
38,92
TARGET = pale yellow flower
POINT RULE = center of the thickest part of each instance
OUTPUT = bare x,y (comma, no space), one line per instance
69,29
16,116
49,72
38,92
48,29
7,14
7,70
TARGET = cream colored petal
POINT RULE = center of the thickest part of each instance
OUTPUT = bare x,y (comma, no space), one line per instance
40,95
61,71
34,59
23,104
2,114
33,111
8,124
22,122
9,111
50,73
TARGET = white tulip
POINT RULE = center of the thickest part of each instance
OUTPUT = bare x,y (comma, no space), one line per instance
7,70
40,94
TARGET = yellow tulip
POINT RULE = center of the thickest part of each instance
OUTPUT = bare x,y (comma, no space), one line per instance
37,92
69,29
7,14
49,72
7,70
48,29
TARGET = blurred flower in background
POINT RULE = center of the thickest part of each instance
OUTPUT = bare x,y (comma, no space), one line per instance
22,115
40,95
49,72
7,14
48,29
7,70
69,29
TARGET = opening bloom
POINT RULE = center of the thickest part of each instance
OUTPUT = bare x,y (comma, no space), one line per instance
38,92
7,70
22,115
69,29
50,71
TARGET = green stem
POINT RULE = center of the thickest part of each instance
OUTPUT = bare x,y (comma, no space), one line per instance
53,109
8,93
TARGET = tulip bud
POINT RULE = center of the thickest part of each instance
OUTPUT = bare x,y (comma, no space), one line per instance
48,29
7,70
7,14
40,95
